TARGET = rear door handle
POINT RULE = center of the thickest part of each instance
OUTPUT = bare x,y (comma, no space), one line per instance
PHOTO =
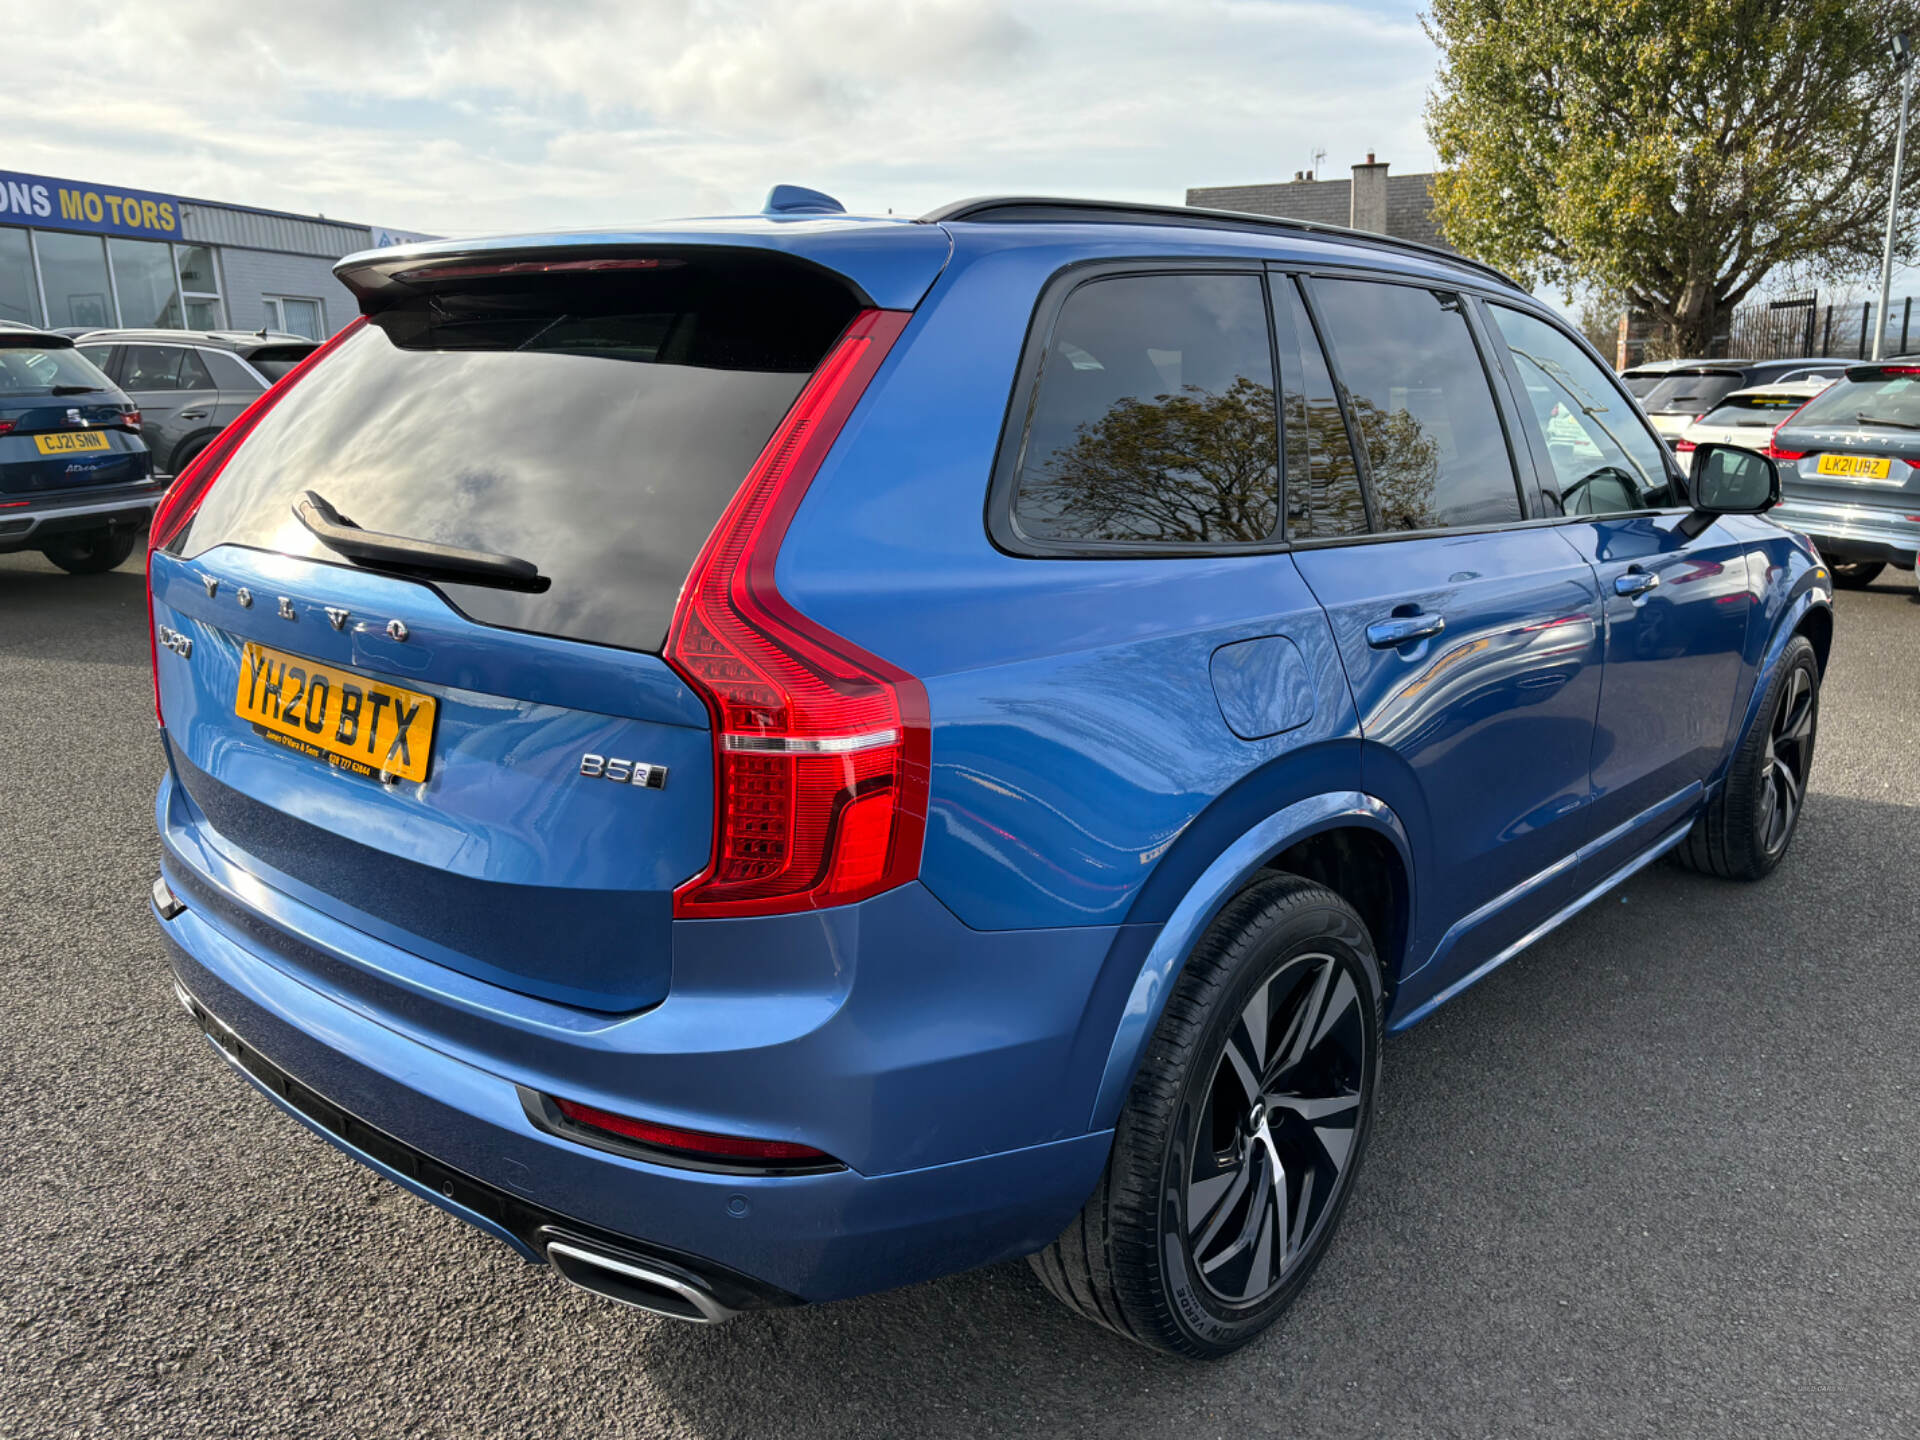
1635,582
193,414
1404,629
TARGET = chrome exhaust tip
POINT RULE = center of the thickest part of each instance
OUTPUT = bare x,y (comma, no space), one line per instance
640,1283
165,901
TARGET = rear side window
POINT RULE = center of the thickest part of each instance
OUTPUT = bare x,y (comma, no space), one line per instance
229,373
194,374
1419,398
593,424
1153,419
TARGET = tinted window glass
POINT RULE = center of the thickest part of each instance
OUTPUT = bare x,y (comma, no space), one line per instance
1153,420
1324,500
594,425
279,359
1640,385
151,367
40,369
1604,459
1418,395
1760,410
1692,392
1849,404
229,373
100,355
193,372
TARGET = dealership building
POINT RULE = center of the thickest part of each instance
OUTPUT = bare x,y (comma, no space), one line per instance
76,253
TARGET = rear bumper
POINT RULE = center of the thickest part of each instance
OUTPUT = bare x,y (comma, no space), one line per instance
953,1073
754,1238
1852,532
123,507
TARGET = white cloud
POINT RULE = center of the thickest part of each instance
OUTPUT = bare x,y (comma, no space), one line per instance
487,114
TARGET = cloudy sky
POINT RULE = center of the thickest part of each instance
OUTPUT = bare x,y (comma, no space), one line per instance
460,116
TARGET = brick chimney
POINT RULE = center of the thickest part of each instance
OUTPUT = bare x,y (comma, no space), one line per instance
1369,207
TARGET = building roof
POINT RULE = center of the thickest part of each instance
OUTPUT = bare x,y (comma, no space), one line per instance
1330,202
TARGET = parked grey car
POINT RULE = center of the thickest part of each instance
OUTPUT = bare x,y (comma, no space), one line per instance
1850,468
190,384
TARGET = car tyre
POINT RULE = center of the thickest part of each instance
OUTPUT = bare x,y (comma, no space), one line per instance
90,552
1746,828
1220,1196
1855,574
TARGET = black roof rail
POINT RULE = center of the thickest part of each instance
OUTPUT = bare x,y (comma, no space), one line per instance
1015,208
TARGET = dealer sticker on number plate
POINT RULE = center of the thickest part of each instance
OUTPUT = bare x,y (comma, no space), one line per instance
351,721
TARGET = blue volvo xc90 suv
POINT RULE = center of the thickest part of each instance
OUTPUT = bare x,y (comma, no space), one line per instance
761,759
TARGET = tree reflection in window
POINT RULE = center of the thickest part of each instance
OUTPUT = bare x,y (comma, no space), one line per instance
1191,468
1153,421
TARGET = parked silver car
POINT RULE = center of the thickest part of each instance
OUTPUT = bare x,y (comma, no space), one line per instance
190,384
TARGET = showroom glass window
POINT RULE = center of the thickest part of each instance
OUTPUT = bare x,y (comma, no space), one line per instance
1421,404
19,295
73,275
143,278
199,287
1153,422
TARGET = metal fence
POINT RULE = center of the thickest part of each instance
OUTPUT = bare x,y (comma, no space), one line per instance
1811,324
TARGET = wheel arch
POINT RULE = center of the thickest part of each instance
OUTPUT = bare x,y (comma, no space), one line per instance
1342,840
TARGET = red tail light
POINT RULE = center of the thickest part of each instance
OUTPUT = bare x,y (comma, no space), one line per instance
1681,447
820,749
6,427
190,486
130,419
697,1143
1772,448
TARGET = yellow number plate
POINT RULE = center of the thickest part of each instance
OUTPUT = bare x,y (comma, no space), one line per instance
70,442
351,721
1855,467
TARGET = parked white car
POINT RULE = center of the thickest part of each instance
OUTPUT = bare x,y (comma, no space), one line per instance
1747,417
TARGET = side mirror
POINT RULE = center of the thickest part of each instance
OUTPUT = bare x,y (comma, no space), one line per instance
1728,480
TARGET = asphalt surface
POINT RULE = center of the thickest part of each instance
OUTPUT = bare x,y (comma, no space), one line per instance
1658,1176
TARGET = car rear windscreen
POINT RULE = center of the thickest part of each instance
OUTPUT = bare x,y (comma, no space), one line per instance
1758,411
1691,393
276,360
594,424
41,369
1892,401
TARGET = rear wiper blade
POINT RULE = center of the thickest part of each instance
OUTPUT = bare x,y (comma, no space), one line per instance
422,559
73,389
1866,419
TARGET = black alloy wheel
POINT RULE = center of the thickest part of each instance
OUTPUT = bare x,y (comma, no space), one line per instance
1789,757
1273,1137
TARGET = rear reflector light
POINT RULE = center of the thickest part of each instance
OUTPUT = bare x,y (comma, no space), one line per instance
6,427
1683,446
190,486
820,748
695,1143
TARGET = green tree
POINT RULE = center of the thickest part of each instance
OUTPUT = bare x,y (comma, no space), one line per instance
1674,151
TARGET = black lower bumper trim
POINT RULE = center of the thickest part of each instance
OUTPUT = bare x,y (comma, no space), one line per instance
533,1225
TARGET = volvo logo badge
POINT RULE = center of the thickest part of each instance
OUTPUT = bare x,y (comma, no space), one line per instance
286,609
338,617
245,597
212,585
